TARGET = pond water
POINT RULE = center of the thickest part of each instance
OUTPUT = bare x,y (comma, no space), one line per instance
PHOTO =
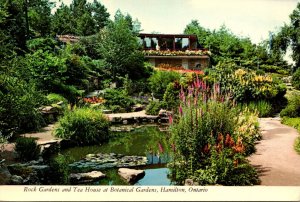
146,141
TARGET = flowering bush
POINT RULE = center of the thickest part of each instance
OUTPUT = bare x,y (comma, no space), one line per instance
176,53
209,141
181,70
246,85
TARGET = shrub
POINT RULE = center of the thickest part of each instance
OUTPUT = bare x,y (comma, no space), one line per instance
171,96
159,81
115,98
211,139
27,148
296,79
294,122
293,107
84,126
154,107
54,98
226,171
245,85
59,173
274,69
135,87
262,107
19,101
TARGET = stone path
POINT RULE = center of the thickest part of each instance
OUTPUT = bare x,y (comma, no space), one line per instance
45,136
140,114
277,162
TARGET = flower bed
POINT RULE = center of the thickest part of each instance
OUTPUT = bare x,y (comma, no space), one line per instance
176,53
181,70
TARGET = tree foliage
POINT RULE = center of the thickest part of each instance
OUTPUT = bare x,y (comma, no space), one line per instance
120,49
81,18
225,45
289,36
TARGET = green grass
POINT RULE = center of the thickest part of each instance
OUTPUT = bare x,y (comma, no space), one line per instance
294,122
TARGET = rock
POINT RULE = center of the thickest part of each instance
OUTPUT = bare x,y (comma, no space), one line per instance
190,182
106,111
60,103
86,177
102,161
16,180
31,172
49,110
138,107
162,112
131,175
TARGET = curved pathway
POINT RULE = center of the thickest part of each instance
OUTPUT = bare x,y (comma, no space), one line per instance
277,162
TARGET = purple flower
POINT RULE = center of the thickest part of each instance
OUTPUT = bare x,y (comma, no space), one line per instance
180,110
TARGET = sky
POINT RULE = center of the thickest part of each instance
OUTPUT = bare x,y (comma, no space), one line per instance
246,18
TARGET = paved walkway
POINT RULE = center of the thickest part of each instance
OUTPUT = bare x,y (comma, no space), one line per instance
276,160
45,136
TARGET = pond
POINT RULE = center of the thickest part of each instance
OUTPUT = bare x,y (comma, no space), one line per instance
146,141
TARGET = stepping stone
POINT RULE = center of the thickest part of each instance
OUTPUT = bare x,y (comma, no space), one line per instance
131,175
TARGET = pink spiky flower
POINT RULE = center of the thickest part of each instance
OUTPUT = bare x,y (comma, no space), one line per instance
160,147
180,110
170,119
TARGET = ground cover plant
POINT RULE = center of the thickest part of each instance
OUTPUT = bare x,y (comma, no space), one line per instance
209,139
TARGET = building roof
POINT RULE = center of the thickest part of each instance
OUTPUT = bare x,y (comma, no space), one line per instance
68,38
191,36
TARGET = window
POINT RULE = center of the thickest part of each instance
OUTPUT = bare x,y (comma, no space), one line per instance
154,42
178,43
147,43
185,43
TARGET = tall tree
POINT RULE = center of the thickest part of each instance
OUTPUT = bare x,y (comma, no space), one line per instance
62,21
120,49
195,28
289,35
13,23
39,17
80,18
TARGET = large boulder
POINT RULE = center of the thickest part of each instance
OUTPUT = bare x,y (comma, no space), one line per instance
131,175
16,180
32,172
77,178
190,182
4,174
